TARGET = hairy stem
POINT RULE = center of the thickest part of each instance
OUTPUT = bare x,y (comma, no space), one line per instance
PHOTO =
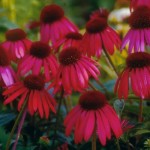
103,87
19,128
94,141
140,119
111,63
15,124
57,116
92,87
118,146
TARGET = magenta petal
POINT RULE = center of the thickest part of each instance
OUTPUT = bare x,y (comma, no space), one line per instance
106,125
90,125
100,129
124,85
14,95
80,127
71,123
22,99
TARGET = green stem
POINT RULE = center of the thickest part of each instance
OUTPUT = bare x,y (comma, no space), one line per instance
66,105
111,62
103,87
69,102
57,116
92,87
20,128
94,141
140,119
118,146
15,124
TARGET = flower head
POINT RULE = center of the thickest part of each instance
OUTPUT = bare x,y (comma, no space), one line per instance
135,74
7,75
135,3
74,71
72,39
54,25
99,36
93,113
16,44
32,89
39,56
100,13
138,36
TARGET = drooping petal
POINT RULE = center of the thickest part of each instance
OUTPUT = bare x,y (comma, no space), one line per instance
30,102
71,113
105,125
124,85
80,127
90,125
13,88
100,129
45,105
40,107
14,95
22,99
113,120
71,122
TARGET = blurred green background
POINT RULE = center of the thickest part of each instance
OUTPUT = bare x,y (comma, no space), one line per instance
18,13
21,11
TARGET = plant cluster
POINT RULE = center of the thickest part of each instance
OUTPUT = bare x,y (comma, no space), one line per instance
39,81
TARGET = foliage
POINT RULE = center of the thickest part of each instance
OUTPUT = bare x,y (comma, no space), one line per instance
41,134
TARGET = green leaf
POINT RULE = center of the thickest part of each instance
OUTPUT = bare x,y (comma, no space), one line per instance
6,118
3,138
143,131
5,23
109,4
119,106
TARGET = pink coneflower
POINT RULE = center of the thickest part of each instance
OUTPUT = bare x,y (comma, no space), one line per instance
39,57
7,74
16,44
137,75
138,36
54,25
135,3
32,89
100,13
72,39
93,114
99,36
74,71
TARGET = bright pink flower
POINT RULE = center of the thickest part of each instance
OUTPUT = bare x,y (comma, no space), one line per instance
54,25
100,13
135,3
99,36
74,71
93,113
16,44
7,74
32,89
39,57
139,34
72,39
136,75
